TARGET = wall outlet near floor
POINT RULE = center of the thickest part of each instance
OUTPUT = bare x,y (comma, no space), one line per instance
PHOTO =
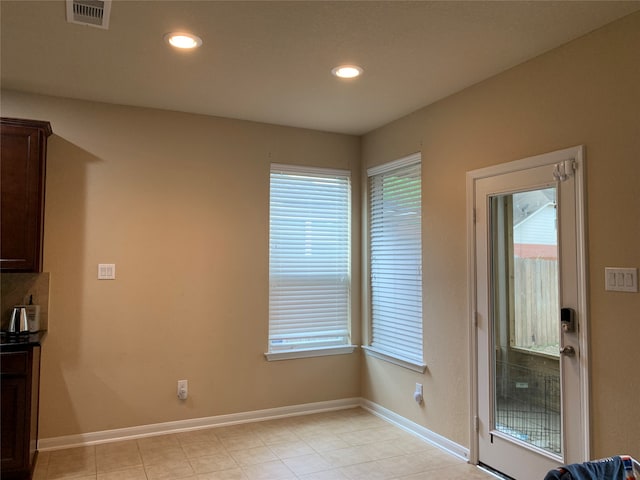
183,389
418,395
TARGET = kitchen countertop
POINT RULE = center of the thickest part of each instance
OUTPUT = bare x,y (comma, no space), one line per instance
10,340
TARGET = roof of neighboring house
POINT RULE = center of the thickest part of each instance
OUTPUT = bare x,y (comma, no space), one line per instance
527,204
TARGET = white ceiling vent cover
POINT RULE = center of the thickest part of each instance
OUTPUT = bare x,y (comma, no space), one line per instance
94,13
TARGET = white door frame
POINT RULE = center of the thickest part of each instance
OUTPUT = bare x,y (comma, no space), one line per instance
557,157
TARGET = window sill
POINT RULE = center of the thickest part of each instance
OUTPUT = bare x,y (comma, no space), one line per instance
315,352
402,362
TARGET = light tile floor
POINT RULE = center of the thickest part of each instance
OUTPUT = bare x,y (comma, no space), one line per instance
348,444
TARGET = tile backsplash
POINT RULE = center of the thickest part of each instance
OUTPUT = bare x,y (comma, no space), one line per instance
16,288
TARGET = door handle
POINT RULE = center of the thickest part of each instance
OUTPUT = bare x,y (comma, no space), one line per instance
569,351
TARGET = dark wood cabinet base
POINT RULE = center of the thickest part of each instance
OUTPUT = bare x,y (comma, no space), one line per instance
20,380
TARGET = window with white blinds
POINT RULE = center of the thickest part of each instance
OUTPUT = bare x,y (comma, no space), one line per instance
309,258
395,261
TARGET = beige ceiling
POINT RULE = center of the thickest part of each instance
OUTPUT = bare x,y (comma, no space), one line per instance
270,61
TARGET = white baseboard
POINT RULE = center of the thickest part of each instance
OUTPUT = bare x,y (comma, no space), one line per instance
130,433
418,430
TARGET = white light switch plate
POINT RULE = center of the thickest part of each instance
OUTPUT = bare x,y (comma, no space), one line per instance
106,271
621,279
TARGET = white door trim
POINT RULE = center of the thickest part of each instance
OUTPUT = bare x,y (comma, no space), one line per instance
577,154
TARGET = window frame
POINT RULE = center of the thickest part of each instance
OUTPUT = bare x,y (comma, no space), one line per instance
313,350
393,357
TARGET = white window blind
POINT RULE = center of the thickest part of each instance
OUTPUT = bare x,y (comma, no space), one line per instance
395,226
309,258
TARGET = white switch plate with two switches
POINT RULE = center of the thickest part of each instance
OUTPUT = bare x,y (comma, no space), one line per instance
621,279
106,271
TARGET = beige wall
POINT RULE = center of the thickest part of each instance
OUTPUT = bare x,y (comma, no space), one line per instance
586,92
180,203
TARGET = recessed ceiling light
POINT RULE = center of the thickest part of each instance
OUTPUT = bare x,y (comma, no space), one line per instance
347,71
183,41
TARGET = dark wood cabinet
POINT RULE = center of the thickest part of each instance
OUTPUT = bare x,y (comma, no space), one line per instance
23,151
19,384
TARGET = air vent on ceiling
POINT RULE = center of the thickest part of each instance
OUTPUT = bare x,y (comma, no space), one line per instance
94,13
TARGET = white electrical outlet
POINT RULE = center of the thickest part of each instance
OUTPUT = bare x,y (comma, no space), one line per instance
183,389
418,395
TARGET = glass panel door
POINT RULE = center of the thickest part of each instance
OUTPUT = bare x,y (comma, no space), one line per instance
528,277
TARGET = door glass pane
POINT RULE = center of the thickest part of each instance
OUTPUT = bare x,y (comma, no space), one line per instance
525,314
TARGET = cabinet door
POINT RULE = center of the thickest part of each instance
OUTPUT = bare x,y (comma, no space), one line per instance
13,426
22,176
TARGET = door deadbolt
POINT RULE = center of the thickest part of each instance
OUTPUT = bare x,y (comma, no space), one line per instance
568,320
